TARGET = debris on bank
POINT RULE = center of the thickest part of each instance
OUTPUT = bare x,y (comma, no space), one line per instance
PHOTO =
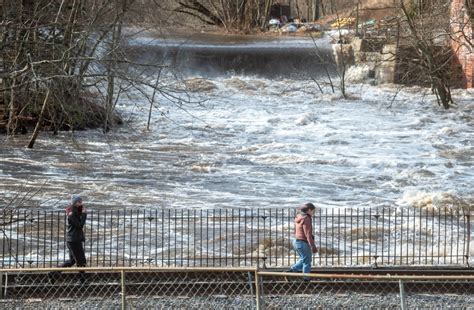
295,27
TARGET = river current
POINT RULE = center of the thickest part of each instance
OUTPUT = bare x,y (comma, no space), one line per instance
248,139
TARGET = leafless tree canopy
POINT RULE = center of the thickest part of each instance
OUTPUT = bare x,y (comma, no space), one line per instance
53,50
422,32
60,59
247,15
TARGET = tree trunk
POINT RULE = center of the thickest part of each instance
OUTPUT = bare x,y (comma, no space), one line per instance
112,64
298,11
11,110
323,9
40,120
317,14
152,101
266,12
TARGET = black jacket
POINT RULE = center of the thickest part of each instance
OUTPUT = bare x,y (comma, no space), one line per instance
75,222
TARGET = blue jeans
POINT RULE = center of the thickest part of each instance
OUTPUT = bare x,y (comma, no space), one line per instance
304,251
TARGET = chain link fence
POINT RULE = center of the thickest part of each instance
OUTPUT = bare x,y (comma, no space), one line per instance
131,288
229,288
323,291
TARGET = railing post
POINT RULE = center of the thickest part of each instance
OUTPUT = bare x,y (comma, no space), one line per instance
122,280
257,289
1,285
403,302
5,287
468,239
264,257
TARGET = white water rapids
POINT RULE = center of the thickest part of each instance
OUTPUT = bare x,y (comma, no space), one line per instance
258,142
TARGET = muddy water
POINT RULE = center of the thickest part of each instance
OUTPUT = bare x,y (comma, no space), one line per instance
255,132
217,56
255,137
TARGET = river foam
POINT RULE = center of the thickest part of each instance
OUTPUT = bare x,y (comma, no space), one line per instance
269,142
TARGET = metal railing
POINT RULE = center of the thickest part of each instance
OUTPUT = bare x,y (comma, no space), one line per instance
229,288
237,237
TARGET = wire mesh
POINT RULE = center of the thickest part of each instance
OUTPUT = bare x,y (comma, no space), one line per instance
61,290
197,290
214,288
135,289
384,292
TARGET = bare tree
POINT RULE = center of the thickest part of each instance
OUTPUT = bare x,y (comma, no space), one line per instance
233,15
424,33
344,56
64,65
50,47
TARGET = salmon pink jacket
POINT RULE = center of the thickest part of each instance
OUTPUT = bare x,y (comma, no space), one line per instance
304,229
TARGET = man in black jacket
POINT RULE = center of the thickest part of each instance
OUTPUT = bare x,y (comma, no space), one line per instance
76,219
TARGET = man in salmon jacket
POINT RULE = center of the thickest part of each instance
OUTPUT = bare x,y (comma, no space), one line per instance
303,243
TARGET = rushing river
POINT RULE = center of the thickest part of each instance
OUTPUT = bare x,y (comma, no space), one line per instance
258,133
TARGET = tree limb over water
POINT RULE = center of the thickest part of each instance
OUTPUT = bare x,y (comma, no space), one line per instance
52,48
73,51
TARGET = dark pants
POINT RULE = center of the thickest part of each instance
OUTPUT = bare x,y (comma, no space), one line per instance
76,255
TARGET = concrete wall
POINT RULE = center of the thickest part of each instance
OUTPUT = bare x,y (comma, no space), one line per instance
380,58
386,71
391,64
462,40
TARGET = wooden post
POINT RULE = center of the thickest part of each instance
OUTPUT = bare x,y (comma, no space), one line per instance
403,302
257,289
122,281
